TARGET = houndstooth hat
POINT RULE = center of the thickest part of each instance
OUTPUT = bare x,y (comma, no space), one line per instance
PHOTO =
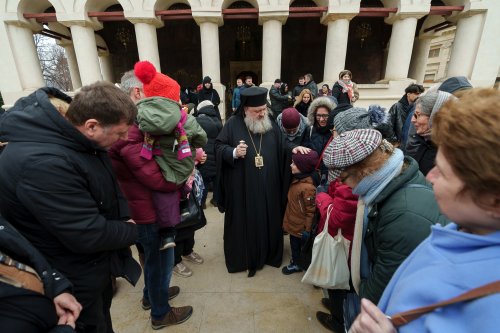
350,148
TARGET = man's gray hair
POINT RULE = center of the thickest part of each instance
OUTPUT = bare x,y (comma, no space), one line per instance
427,102
129,81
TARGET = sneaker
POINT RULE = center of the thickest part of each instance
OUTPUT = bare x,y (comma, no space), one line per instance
182,270
172,293
195,258
290,269
329,322
167,243
174,317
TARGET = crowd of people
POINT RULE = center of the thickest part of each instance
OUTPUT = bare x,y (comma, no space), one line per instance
414,189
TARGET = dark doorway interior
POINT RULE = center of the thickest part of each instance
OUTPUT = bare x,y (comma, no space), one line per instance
122,45
303,51
368,38
240,41
179,46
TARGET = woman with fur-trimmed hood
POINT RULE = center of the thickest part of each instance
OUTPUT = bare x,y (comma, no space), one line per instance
320,133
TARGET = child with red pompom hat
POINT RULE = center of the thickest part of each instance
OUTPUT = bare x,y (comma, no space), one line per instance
170,136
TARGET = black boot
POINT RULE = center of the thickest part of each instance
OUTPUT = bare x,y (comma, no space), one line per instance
329,322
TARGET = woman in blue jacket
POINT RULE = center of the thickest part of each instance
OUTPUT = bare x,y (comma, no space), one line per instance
464,254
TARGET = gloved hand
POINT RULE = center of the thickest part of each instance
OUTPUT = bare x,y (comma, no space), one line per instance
305,235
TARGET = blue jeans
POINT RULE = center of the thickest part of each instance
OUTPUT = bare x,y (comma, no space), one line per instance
158,267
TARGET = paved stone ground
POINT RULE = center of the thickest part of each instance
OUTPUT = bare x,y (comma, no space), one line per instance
223,302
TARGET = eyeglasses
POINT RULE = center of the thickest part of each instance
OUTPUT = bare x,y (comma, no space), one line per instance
418,115
322,116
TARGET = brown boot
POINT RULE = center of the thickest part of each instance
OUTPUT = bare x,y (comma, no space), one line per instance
174,317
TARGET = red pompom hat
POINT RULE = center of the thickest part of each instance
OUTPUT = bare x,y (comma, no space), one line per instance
155,83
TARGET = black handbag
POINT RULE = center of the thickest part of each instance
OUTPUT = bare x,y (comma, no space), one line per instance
191,212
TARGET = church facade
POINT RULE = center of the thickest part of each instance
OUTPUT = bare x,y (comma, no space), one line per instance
385,43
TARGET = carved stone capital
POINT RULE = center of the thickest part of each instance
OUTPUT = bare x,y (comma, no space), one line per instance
208,16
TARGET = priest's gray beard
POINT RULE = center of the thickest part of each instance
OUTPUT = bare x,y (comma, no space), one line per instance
258,126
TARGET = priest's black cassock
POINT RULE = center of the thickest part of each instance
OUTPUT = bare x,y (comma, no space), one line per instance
253,198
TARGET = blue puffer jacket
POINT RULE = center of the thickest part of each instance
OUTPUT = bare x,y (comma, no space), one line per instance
448,263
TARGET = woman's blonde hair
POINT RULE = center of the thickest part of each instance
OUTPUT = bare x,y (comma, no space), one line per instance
60,105
302,93
467,132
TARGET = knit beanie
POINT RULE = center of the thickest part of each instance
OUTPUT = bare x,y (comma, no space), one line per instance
455,83
203,104
340,108
306,163
155,83
290,118
358,118
207,79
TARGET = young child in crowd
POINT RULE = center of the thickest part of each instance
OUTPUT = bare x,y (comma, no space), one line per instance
301,205
170,136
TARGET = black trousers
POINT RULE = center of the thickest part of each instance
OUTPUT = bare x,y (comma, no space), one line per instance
95,316
184,246
337,297
25,311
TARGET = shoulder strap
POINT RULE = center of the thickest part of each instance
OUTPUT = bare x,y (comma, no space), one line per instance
328,212
321,156
404,318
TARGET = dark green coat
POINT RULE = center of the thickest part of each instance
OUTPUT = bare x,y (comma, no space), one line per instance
400,219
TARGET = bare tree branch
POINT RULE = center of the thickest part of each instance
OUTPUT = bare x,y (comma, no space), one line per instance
53,63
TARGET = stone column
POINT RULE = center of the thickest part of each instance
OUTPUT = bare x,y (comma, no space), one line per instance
147,41
86,53
271,49
209,37
209,23
106,67
400,48
25,56
76,81
336,45
419,56
465,45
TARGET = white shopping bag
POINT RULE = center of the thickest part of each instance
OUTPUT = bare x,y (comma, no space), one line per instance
329,267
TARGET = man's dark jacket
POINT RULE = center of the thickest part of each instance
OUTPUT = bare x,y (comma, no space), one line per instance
210,95
58,190
278,101
211,124
397,115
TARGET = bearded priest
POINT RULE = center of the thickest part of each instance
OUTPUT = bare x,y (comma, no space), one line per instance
252,183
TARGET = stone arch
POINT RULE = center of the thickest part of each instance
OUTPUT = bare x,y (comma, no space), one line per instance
227,3
25,6
308,3
101,5
165,4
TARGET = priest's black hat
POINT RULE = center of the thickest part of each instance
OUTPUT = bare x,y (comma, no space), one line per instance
253,96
